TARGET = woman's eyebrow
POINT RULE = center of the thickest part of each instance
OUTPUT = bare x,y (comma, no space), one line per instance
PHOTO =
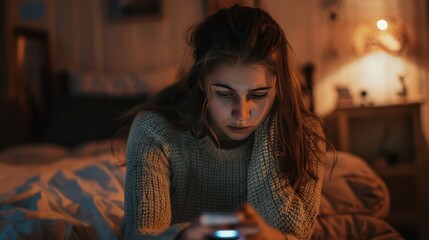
261,89
230,88
223,85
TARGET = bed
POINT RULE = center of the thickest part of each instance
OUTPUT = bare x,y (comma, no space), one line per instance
53,192
66,184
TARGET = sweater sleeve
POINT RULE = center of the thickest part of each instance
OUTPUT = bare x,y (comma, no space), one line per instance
301,208
298,213
147,184
292,212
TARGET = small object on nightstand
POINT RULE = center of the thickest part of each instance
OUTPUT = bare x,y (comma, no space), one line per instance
344,99
365,101
403,90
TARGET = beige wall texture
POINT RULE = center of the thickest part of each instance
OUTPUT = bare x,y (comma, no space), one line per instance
83,38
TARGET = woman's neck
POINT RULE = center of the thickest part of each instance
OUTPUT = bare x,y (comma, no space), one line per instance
231,144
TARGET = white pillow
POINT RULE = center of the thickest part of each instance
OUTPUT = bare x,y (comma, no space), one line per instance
120,84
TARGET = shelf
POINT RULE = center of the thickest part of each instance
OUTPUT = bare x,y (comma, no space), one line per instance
400,103
397,126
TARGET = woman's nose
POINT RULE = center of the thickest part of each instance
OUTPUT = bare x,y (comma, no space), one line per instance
241,109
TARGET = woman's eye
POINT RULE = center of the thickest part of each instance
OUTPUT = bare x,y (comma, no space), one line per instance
225,94
258,95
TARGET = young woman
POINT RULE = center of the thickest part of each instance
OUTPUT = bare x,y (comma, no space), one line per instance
233,135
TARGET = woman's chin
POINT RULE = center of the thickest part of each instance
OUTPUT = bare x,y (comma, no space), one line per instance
238,137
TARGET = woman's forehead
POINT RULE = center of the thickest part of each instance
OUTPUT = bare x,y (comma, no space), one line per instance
242,74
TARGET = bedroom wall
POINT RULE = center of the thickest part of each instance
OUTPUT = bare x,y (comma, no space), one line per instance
315,38
3,68
4,76
328,44
3,61
375,72
84,39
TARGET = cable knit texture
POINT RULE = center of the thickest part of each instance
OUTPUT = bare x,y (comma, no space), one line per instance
172,177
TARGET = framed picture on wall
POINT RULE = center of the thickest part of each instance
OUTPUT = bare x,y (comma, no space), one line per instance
135,9
211,6
344,97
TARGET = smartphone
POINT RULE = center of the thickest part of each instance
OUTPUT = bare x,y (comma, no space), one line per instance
225,234
228,220
216,219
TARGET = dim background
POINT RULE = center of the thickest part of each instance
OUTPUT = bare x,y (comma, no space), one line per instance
118,37
84,36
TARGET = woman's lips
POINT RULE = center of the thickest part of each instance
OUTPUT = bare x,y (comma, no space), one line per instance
239,129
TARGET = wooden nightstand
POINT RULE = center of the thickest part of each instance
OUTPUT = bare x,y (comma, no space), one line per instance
390,139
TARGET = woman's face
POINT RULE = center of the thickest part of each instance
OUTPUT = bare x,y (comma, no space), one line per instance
239,98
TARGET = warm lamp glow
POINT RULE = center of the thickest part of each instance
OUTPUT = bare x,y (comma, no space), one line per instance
388,35
382,24
376,72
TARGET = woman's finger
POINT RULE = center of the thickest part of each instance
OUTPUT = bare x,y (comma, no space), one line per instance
248,230
248,210
251,214
197,232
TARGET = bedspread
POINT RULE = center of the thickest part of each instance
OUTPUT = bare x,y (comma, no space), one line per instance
354,201
79,196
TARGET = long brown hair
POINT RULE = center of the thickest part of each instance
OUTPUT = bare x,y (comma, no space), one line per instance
249,36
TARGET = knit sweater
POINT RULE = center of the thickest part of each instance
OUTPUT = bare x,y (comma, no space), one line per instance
172,177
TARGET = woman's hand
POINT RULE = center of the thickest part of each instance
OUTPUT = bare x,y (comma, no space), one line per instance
195,231
252,220
252,227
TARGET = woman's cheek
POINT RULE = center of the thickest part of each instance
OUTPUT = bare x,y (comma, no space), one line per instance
218,108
